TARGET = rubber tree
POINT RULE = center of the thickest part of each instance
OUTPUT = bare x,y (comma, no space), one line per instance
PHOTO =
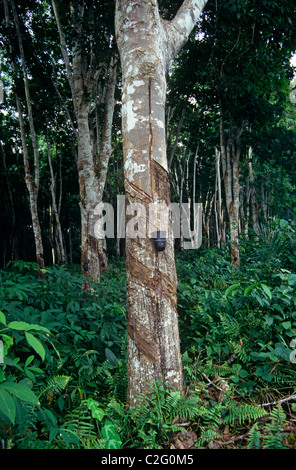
147,45
83,70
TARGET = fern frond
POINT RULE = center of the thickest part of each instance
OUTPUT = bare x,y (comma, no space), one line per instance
216,370
254,439
207,435
188,408
55,385
275,434
242,413
80,423
213,416
95,443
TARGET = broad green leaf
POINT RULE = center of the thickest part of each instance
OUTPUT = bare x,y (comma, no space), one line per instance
96,411
2,318
39,328
20,391
7,405
18,325
230,289
292,279
113,439
267,376
36,345
110,356
269,320
267,290
29,360
24,326
53,433
249,289
286,325
109,431
243,373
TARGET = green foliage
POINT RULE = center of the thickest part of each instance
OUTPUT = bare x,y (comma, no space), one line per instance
67,387
247,316
59,345
269,435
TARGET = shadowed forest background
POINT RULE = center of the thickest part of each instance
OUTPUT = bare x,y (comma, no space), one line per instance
231,145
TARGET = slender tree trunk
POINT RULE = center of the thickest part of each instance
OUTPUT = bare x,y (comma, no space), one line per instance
177,133
147,44
254,204
264,203
195,214
10,208
230,154
57,233
32,185
218,205
245,209
234,210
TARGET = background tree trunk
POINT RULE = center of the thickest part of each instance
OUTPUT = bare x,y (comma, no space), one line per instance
60,255
253,199
230,155
32,184
82,76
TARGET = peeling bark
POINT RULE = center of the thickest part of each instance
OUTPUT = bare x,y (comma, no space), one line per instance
147,44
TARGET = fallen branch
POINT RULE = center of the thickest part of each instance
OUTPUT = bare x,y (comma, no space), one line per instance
292,397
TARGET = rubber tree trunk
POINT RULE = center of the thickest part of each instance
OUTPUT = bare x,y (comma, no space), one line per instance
147,44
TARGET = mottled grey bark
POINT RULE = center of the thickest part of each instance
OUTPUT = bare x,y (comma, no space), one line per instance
147,44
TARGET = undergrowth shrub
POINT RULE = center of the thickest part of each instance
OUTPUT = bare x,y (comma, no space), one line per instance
60,342
63,382
245,318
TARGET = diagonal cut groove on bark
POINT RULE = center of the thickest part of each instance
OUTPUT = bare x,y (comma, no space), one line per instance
160,283
141,336
139,191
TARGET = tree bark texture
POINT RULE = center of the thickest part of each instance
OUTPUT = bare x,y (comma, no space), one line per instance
230,155
82,74
147,44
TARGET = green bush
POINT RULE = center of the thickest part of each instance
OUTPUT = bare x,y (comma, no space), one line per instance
60,343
